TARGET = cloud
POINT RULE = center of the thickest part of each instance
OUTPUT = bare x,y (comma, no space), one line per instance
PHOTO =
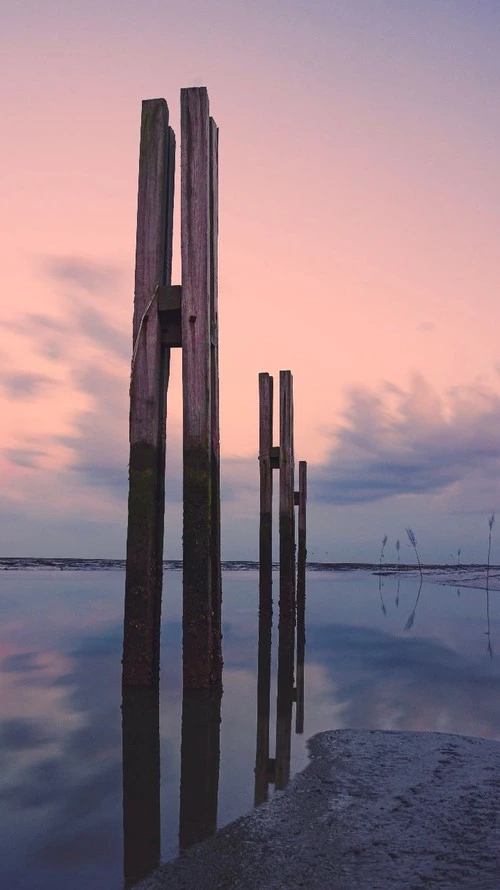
397,442
93,325
429,681
88,275
23,384
23,457
99,442
20,735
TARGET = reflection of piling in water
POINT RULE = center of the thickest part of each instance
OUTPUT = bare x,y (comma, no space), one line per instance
141,783
264,768
200,758
286,630
301,500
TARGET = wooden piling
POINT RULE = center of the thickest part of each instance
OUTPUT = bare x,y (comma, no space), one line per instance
286,632
197,367
266,494
265,585
149,378
141,783
301,595
216,591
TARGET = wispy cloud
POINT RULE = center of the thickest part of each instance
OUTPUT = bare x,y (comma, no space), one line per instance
23,384
24,457
83,273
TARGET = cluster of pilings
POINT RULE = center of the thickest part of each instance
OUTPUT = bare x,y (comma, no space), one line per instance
185,316
291,594
167,317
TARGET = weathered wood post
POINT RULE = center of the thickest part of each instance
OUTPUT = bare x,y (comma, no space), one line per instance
267,458
214,390
301,502
141,783
286,631
149,378
265,586
201,538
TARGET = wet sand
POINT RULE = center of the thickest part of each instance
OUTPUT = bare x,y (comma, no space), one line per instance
373,810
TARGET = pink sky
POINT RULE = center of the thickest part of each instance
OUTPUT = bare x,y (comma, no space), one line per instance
359,228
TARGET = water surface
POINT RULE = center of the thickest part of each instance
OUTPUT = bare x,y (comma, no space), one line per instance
61,818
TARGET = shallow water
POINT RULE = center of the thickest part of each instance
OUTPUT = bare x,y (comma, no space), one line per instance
60,727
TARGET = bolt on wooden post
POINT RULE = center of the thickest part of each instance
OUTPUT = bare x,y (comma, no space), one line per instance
167,316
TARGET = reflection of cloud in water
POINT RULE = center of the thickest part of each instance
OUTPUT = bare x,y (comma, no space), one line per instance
388,682
61,762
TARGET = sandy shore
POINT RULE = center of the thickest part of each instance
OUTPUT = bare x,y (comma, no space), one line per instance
373,810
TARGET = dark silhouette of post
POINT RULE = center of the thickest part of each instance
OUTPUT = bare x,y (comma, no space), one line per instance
148,385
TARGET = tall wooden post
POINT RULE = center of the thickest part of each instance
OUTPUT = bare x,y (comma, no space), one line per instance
201,612
149,377
301,501
265,586
214,391
286,633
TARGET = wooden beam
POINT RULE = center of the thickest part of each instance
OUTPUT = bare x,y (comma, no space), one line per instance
149,379
266,494
216,591
265,586
196,377
169,298
286,634
275,457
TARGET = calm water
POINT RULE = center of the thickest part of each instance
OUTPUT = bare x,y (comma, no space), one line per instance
61,819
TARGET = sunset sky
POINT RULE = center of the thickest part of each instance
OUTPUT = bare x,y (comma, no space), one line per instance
359,245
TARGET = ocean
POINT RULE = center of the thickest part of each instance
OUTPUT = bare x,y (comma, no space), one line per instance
382,652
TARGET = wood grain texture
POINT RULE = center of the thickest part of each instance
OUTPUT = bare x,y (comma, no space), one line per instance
196,379
286,631
149,381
